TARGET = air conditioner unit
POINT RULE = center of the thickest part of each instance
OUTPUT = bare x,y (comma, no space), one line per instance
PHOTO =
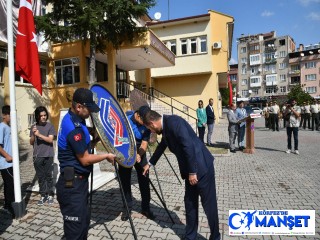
216,45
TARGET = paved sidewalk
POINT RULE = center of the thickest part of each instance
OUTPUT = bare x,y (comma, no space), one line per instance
269,179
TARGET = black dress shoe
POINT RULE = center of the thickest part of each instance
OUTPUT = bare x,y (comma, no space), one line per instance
148,214
233,151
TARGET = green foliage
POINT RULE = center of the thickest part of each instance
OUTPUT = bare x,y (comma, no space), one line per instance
104,20
297,93
101,21
224,96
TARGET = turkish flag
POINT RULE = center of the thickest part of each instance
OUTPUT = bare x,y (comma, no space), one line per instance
27,59
230,90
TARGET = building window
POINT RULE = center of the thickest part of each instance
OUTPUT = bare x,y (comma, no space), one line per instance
255,80
172,45
282,77
282,54
311,89
233,77
271,78
270,68
243,70
243,60
243,50
2,64
311,77
194,45
254,48
184,46
244,82
43,74
295,68
203,44
31,120
282,42
255,91
244,93
255,59
67,71
283,89
282,65
269,90
310,65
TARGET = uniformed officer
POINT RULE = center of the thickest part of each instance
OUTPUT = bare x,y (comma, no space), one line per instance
314,115
76,163
274,113
142,136
266,115
303,114
307,116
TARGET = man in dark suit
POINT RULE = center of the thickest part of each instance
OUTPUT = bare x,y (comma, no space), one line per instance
196,168
210,121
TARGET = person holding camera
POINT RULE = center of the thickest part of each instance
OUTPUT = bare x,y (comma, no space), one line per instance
292,115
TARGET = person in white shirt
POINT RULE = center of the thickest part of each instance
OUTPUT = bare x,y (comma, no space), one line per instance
314,109
266,116
292,113
307,116
274,113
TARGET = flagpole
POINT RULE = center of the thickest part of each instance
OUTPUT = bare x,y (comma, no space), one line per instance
19,204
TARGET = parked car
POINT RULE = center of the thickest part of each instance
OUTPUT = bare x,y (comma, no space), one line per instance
257,110
251,109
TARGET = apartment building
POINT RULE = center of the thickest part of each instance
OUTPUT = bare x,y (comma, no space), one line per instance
304,69
202,46
263,66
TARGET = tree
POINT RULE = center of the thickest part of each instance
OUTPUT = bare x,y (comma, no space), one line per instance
101,22
299,95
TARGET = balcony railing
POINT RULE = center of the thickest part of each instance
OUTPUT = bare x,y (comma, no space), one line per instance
293,72
270,60
295,82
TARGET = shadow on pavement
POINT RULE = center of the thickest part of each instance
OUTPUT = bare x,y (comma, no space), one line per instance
6,220
107,206
269,149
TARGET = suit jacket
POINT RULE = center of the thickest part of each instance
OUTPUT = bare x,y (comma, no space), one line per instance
202,117
233,121
191,153
210,115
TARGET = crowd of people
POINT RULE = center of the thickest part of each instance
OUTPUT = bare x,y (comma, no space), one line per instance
309,116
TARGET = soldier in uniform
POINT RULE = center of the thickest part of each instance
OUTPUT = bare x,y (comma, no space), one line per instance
314,109
76,164
142,136
307,115
274,113
266,115
302,114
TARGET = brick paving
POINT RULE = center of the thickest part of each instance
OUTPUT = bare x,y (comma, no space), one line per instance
268,179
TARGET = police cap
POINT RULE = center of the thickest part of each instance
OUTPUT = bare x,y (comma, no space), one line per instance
85,97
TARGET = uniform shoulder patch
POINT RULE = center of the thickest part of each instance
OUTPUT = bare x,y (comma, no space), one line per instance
77,137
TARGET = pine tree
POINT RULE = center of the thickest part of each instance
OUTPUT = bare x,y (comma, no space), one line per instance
101,22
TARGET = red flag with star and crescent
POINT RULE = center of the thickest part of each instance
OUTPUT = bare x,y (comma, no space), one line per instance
27,59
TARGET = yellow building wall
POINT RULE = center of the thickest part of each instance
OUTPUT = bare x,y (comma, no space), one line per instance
194,85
